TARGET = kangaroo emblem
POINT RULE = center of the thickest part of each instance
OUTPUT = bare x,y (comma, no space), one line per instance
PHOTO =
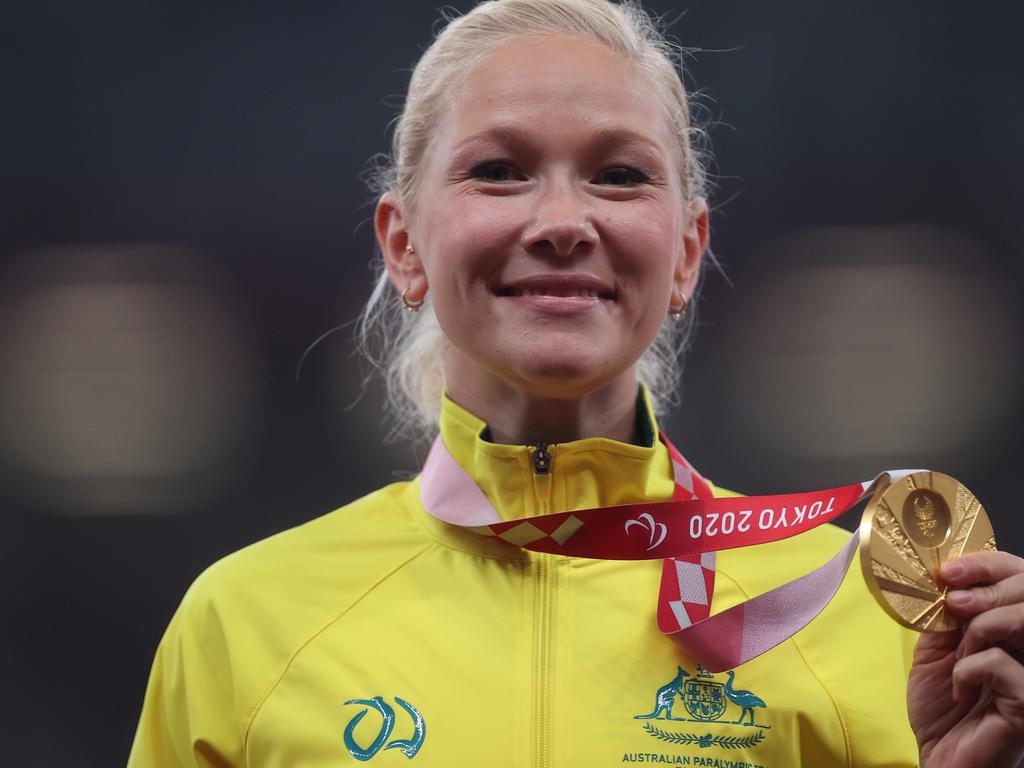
666,697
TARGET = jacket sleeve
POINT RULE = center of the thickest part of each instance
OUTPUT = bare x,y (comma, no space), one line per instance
189,715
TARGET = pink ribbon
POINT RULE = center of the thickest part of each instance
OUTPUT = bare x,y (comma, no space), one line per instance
685,532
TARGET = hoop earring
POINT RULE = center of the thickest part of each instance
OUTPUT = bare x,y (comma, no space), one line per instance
677,312
411,306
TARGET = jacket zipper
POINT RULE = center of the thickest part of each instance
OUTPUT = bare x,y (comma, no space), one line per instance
542,460
543,673
544,618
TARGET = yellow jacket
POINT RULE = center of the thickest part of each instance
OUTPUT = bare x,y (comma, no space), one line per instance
378,634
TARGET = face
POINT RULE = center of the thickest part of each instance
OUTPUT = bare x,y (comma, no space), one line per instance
551,227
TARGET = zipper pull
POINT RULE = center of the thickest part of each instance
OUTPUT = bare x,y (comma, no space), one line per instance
541,459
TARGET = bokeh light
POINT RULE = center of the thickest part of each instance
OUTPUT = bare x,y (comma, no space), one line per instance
126,382
876,343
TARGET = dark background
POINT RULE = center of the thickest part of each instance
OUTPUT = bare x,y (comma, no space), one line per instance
181,216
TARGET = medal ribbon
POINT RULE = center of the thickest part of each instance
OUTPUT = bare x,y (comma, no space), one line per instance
685,532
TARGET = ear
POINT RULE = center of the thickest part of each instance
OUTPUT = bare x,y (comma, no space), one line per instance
695,243
405,267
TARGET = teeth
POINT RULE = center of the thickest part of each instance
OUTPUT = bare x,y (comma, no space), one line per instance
559,292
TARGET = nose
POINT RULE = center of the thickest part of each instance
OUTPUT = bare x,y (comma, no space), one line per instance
561,224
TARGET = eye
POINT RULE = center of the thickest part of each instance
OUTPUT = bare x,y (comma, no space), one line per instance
622,175
495,171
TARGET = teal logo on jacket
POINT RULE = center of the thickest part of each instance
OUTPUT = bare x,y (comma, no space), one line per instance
408,747
706,700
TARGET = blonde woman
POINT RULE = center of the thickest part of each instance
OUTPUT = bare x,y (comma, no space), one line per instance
543,229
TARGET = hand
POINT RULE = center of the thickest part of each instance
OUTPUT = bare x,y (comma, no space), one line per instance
965,697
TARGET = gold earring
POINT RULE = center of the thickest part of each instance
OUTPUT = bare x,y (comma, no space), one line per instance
677,312
410,250
411,306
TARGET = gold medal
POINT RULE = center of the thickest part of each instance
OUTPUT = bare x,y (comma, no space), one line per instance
909,529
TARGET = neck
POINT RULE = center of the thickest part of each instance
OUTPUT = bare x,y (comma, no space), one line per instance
519,417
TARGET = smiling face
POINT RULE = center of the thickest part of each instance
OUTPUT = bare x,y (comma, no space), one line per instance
551,224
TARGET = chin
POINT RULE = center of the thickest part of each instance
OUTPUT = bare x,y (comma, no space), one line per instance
559,376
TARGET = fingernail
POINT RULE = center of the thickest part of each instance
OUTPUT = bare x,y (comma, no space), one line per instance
960,598
952,569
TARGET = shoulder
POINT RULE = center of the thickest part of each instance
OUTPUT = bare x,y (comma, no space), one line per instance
333,555
247,616
256,607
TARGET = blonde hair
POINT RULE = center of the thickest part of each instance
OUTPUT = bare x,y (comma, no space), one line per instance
405,348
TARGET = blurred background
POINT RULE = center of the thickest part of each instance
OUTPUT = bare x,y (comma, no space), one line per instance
181,216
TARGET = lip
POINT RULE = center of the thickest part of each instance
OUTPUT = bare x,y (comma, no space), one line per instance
557,285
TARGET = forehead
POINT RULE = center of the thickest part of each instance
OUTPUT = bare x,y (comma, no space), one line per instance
559,85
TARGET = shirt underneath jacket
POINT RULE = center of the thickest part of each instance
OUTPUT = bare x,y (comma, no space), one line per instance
378,634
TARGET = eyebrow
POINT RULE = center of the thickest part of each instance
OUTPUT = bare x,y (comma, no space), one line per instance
600,137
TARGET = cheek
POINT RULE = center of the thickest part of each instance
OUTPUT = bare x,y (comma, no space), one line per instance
468,236
646,240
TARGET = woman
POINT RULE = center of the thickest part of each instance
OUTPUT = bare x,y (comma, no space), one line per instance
545,226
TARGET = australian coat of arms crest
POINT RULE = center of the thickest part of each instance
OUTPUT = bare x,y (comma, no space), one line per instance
706,699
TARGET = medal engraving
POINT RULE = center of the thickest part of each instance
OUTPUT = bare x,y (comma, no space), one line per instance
928,517
909,529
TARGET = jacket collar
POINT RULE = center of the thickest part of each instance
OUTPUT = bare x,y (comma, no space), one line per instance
584,473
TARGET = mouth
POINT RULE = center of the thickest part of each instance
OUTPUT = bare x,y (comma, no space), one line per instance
559,286
566,293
